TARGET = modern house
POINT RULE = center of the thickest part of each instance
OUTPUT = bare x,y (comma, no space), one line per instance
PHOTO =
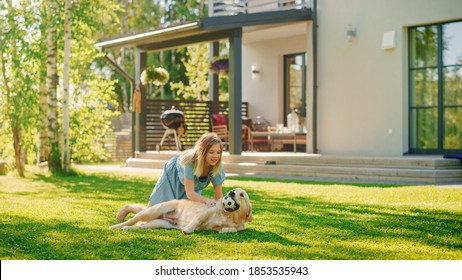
369,78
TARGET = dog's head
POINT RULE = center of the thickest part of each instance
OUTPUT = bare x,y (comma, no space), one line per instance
237,200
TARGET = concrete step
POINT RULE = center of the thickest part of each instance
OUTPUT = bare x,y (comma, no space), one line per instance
341,173
420,162
359,174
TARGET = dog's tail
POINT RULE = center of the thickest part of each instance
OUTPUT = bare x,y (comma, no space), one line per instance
127,209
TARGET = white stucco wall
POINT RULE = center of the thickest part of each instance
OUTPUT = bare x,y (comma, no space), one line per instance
265,93
363,91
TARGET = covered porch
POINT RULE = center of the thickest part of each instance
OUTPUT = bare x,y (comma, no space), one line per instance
208,29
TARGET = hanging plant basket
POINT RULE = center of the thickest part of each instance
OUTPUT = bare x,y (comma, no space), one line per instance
156,75
220,66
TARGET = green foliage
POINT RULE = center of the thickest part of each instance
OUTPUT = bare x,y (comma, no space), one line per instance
293,220
23,53
132,17
6,149
223,93
197,69
139,16
20,77
184,10
93,97
90,121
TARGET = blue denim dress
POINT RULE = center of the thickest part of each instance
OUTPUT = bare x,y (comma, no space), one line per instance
171,183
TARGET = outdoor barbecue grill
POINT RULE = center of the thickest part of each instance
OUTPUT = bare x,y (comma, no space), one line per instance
172,120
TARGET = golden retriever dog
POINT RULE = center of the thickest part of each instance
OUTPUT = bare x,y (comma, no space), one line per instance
229,215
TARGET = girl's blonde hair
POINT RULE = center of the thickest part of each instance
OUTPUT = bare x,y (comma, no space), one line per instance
197,155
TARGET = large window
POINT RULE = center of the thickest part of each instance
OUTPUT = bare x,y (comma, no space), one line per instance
435,100
295,85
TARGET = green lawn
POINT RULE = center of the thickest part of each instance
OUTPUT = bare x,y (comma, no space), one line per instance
45,217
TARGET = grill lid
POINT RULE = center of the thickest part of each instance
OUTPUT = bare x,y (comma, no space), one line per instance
172,118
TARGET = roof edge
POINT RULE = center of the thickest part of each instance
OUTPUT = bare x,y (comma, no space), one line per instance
132,39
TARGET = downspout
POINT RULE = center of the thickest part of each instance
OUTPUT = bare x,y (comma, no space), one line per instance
315,77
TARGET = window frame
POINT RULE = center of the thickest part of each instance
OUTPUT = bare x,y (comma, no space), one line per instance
286,91
413,108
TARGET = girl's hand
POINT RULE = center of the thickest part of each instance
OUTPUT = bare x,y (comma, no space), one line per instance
210,202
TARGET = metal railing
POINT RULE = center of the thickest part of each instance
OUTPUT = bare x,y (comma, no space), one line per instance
236,7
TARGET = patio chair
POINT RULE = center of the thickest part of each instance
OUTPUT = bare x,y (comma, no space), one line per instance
219,125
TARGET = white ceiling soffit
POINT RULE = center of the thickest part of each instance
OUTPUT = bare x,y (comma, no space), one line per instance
260,33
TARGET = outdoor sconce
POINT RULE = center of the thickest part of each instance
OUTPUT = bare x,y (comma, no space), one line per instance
350,33
255,71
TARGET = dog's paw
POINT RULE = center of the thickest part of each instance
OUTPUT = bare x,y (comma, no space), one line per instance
227,230
187,230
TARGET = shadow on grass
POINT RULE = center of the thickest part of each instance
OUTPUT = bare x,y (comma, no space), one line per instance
357,222
104,186
58,240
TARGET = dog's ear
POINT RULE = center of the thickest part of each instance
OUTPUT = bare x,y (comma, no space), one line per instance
249,213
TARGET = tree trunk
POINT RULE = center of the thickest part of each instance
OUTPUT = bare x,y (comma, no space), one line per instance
43,141
66,80
18,148
54,158
15,124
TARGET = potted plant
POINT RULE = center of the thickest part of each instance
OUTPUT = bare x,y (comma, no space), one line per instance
156,75
220,66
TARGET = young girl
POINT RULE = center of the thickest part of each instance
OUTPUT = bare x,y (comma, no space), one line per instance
186,175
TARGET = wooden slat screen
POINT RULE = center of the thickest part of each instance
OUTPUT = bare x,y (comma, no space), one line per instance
196,115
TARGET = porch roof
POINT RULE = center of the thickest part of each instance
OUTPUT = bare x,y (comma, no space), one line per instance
202,30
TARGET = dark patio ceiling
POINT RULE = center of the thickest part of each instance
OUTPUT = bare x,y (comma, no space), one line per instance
203,30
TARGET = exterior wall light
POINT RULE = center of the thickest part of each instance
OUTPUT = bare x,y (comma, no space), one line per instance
255,71
350,33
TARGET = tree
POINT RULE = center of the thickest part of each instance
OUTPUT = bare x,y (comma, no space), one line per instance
31,56
67,60
145,15
197,69
49,136
20,74
31,65
92,93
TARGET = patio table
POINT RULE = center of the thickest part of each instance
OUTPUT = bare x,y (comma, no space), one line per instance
271,135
